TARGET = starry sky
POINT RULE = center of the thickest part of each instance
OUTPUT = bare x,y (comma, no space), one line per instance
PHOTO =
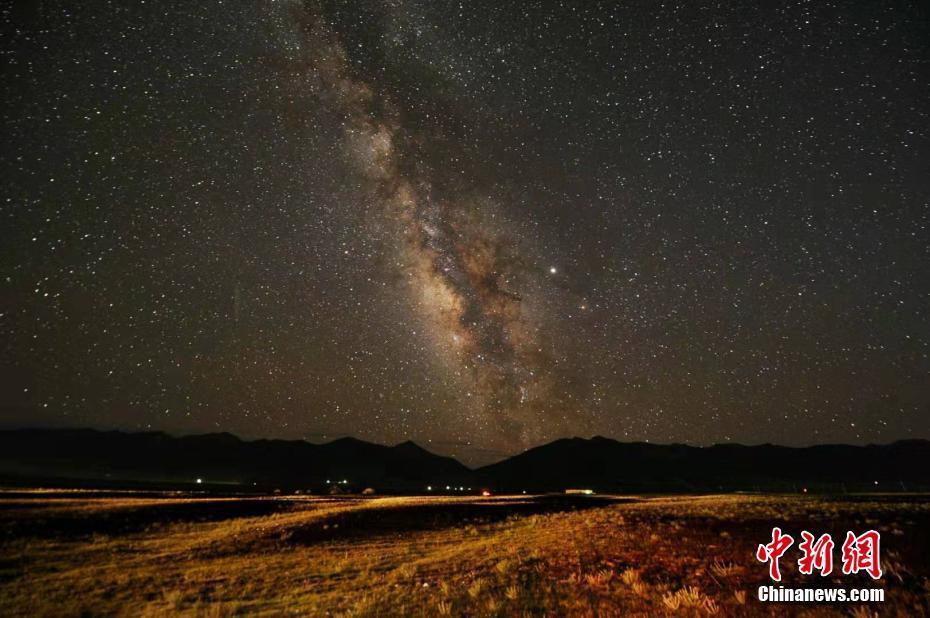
478,225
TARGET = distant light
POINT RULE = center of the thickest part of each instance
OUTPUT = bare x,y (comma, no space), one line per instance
447,488
199,481
429,488
485,493
552,270
328,481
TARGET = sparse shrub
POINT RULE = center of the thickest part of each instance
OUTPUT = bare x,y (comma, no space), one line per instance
710,606
691,596
725,569
599,578
671,600
640,588
630,576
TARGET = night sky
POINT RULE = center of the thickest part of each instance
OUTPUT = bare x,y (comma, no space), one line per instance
477,225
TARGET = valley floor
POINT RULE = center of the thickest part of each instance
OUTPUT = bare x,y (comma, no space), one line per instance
88,553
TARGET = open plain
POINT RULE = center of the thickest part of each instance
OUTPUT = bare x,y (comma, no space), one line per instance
77,553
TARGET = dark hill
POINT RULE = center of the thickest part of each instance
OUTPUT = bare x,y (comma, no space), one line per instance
608,465
598,463
221,459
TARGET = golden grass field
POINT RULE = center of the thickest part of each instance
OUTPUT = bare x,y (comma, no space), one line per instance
66,553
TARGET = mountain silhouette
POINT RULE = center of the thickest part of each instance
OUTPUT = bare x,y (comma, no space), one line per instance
222,460
606,464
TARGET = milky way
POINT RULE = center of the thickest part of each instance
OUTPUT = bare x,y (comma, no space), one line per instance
464,273
476,225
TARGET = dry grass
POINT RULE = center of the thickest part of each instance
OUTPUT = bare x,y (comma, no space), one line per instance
171,555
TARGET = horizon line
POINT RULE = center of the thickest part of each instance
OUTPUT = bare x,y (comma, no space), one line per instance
419,445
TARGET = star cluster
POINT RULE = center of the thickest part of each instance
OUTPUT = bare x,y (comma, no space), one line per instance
477,225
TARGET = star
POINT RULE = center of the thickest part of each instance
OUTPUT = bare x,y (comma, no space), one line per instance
468,224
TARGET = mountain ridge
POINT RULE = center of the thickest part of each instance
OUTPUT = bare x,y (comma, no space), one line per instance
599,462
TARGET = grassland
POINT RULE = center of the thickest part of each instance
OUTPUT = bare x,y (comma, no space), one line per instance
86,553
